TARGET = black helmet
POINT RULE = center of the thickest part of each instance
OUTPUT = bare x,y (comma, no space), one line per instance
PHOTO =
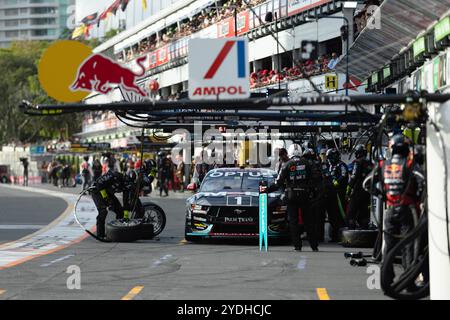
333,155
308,153
399,144
360,151
307,145
149,164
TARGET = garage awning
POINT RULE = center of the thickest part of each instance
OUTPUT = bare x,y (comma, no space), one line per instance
401,22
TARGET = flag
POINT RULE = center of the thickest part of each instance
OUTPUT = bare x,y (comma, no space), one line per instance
124,4
112,9
144,4
90,19
79,31
87,29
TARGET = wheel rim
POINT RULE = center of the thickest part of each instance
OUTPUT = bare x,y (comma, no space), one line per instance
154,217
125,223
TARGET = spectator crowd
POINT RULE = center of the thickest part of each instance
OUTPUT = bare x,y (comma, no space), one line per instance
301,69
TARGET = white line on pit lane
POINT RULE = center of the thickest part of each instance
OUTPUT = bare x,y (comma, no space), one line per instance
21,226
57,260
301,263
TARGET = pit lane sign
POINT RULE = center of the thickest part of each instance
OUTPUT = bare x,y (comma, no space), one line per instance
218,69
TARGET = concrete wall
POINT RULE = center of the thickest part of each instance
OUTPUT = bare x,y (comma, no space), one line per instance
10,156
438,199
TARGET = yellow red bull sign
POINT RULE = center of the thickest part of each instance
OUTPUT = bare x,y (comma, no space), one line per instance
69,71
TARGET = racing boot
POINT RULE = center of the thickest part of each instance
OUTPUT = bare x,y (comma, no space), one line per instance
298,246
101,231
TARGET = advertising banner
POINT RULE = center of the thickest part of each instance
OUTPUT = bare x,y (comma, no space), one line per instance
296,6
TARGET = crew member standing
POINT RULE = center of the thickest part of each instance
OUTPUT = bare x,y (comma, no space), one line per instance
165,176
25,171
316,196
402,187
359,199
295,178
282,159
86,172
339,179
96,169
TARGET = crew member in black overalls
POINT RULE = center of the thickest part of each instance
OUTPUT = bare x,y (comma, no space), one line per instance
316,212
103,195
336,206
140,178
402,189
359,199
295,178
327,191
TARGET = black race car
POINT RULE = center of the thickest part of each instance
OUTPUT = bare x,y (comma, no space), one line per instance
227,205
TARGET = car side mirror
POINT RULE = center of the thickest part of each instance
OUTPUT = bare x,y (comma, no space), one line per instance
192,187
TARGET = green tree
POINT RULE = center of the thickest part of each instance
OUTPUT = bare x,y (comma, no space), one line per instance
19,81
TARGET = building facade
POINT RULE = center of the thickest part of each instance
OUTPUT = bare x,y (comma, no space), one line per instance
32,19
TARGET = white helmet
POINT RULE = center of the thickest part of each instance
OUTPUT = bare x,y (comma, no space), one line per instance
295,150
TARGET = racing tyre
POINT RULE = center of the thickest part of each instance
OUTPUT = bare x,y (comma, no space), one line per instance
154,215
122,230
359,238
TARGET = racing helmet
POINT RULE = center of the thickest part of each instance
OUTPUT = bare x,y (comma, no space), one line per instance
399,144
295,150
333,155
149,164
360,151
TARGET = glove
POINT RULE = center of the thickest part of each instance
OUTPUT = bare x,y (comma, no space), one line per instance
335,183
104,194
349,191
126,214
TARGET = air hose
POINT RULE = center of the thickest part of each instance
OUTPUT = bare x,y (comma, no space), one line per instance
395,288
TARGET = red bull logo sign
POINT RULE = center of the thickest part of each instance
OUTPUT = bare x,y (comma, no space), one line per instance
69,72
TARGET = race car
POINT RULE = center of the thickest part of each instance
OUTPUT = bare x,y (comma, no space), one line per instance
227,206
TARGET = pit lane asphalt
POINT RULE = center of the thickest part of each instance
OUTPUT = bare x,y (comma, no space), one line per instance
23,213
169,268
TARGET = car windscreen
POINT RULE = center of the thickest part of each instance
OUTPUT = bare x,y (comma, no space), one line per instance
247,181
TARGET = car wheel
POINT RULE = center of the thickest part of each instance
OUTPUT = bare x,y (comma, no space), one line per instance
359,238
154,215
122,230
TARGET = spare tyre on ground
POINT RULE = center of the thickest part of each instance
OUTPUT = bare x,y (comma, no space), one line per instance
358,238
123,230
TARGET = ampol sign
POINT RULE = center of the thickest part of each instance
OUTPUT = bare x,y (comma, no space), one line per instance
218,69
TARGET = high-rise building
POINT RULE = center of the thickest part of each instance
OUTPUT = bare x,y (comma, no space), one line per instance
32,19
